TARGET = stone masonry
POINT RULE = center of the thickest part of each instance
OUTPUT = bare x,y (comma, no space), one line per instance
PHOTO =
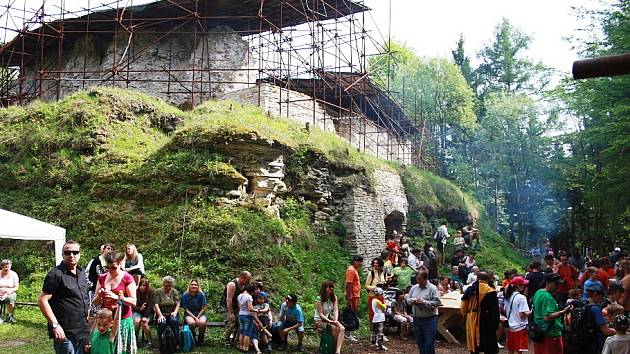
366,212
171,67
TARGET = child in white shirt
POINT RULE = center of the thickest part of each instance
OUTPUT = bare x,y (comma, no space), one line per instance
378,321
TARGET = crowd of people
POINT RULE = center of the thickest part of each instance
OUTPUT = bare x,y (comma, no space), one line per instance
567,304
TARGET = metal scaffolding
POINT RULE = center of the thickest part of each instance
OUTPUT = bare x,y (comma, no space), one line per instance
314,47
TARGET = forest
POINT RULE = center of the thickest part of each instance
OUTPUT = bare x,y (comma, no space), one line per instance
546,155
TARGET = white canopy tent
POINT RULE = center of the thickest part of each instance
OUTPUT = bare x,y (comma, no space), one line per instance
22,227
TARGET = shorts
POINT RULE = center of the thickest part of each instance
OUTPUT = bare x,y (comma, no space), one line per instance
202,316
245,325
137,272
139,315
10,299
403,318
517,341
440,247
287,324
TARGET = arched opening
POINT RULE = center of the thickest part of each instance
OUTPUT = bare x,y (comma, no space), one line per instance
394,222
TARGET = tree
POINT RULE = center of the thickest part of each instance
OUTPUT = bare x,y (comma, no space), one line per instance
434,92
463,61
504,66
597,170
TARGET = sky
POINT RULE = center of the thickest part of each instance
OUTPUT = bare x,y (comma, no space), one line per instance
432,28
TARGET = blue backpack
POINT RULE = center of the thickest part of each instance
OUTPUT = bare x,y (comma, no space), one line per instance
188,339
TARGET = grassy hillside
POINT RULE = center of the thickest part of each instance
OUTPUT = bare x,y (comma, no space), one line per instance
119,166
433,200
106,165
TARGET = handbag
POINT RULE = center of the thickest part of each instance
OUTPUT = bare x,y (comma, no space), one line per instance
349,319
327,341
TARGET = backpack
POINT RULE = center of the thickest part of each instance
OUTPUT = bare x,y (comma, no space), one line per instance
349,319
168,343
582,331
188,339
438,236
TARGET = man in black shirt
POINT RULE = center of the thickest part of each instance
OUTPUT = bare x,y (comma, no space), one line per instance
535,278
458,258
64,303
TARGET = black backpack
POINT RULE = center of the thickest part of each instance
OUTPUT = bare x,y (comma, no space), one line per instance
168,343
349,319
582,331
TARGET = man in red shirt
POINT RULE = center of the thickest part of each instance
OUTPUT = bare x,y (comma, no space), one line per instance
353,288
569,274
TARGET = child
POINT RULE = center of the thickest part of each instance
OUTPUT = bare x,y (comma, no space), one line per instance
378,321
574,296
399,310
591,273
444,286
262,320
103,336
246,312
611,311
620,342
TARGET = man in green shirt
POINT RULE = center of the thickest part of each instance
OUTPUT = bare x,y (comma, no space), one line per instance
548,316
403,274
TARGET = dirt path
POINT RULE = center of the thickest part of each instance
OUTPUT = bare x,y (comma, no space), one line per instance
396,345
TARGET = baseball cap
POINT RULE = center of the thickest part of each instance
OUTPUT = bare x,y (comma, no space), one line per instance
378,291
553,278
617,249
292,297
263,294
594,287
519,281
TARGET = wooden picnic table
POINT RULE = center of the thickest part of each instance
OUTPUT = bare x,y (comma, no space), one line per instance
450,316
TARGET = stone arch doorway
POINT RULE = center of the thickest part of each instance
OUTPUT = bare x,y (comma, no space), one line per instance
394,221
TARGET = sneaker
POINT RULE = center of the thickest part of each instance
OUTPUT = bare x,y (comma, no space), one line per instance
352,338
11,319
1,320
385,339
500,346
382,347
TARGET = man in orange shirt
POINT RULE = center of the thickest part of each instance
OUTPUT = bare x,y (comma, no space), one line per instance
569,274
353,288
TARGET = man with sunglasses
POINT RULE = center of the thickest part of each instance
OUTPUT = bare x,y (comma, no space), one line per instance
64,303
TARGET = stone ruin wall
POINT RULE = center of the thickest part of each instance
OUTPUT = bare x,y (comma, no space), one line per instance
162,67
377,141
361,132
281,102
366,212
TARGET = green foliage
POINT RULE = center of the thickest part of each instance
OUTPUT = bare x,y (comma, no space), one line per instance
504,66
433,91
428,192
594,170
